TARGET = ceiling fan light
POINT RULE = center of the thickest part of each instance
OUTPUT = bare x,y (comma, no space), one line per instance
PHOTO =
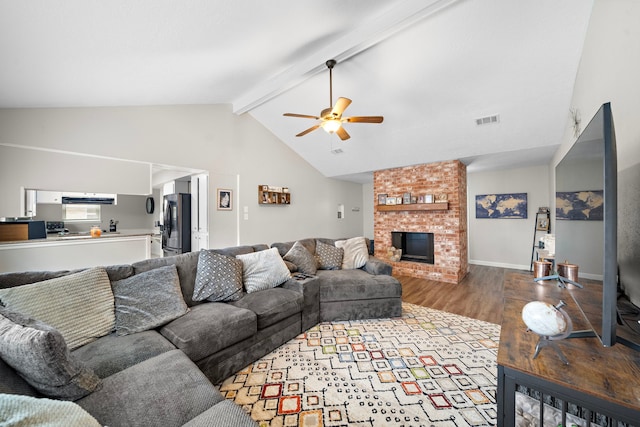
332,125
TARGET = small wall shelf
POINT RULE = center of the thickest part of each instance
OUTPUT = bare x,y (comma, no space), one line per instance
440,206
269,195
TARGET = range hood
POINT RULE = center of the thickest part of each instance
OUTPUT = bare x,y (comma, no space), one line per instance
89,198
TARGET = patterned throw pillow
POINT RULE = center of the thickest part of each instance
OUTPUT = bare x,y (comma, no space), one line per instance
218,277
302,258
39,353
148,300
328,256
356,254
79,305
263,270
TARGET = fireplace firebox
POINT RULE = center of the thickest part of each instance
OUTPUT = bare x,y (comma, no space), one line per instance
416,247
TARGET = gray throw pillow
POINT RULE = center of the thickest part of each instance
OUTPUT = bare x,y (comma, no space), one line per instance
329,257
302,258
148,300
218,277
79,305
263,270
40,355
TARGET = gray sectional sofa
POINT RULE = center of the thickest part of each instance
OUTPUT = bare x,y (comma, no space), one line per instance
154,371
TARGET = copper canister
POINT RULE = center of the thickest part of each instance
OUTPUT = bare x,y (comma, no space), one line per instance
541,268
569,271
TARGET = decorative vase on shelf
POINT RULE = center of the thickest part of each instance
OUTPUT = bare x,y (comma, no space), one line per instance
95,231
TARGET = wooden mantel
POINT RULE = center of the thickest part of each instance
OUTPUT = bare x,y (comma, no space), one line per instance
440,206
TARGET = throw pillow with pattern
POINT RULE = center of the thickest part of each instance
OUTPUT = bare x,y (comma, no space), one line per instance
302,258
218,277
328,256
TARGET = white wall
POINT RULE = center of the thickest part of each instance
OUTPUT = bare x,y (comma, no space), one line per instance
238,153
608,72
506,242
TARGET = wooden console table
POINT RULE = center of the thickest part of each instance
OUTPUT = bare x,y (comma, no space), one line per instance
604,380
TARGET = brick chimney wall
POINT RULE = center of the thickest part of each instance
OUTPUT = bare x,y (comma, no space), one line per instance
448,226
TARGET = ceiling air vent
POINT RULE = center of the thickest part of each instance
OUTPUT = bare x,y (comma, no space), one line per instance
337,151
487,120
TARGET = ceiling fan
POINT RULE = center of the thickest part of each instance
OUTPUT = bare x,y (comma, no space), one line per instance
331,118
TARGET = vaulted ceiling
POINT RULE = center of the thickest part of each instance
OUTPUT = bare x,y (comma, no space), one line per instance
430,67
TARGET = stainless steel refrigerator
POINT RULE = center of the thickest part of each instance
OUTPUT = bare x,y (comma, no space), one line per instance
176,230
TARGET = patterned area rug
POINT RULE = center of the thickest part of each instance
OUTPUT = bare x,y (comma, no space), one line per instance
427,368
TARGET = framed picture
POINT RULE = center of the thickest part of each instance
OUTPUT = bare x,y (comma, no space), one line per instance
428,198
406,198
225,199
398,200
580,205
420,199
510,206
442,197
543,224
391,200
414,200
382,199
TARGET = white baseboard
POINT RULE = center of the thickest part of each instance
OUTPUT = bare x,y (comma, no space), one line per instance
499,264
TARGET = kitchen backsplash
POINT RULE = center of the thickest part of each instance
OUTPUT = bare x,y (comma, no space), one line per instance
129,212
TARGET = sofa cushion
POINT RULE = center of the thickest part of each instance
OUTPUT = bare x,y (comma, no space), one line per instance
113,353
302,258
18,410
209,328
329,257
79,305
272,305
9,280
356,252
219,277
148,300
187,265
38,353
263,270
344,285
167,390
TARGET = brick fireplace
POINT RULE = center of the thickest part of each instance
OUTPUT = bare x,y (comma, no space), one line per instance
447,221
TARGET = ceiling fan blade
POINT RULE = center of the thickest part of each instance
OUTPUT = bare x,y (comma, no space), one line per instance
364,119
311,129
341,105
304,116
342,133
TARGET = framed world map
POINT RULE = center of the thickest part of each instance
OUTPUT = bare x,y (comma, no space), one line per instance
510,206
580,205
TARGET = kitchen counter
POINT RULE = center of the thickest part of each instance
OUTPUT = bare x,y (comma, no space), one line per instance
82,236
73,251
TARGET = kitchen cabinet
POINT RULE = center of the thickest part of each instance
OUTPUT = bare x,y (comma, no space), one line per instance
49,197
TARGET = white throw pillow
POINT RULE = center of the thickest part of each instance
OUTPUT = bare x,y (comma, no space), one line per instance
79,305
356,254
263,270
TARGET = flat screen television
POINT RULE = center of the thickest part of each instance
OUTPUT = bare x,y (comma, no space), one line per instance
586,220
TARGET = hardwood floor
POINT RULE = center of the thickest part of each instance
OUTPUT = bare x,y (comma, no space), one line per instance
478,296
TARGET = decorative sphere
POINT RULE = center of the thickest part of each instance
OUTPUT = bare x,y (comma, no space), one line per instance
544,319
